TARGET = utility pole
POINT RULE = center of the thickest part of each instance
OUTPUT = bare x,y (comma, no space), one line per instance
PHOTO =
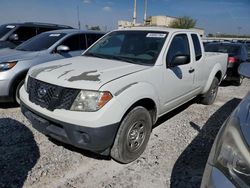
145,11
134,16
78,18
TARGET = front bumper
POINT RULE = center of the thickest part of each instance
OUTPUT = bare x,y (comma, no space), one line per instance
5,95
214,178
97,139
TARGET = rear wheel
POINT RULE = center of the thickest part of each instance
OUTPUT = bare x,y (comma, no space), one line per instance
239,81
211,94
17,96
133,135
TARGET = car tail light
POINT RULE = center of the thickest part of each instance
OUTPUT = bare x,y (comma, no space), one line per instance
232,60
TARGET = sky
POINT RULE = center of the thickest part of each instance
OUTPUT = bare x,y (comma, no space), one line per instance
215,16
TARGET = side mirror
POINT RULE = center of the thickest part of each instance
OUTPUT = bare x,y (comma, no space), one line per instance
244,70
180,60
14,37
62,48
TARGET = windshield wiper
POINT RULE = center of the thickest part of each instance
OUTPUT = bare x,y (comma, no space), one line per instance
95,55
121,59
109,57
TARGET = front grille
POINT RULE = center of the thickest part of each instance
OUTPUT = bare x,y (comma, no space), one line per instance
50,96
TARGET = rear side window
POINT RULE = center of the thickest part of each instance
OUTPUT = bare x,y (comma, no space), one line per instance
178,46
25,33
75,42
91,38
197,47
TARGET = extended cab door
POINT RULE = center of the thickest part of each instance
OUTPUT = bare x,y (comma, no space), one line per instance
179,74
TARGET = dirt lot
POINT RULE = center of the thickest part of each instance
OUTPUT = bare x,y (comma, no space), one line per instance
175,156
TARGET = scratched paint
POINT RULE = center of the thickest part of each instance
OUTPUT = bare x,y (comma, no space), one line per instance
124,88
63,74
87,76
36,72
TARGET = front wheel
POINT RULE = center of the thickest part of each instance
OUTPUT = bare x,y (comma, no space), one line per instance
133,135
211,94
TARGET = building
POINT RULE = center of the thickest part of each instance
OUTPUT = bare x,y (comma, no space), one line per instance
162,21
124,24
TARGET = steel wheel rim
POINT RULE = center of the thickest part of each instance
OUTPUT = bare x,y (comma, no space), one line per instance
136,136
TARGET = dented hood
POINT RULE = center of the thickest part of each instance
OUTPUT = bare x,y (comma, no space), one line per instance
83,72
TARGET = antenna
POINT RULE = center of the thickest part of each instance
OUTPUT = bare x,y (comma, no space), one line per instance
145,10
78,18
134,16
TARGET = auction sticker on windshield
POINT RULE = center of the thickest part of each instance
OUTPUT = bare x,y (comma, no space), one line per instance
156,35
54,35
10,26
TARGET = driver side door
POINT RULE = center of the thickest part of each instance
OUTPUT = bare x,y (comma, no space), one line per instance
178,79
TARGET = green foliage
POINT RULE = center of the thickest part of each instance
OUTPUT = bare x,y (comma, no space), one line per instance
183,23
96,28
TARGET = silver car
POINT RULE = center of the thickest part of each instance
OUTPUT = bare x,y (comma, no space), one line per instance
228,164
48,46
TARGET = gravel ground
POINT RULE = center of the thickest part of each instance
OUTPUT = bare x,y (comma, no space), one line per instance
175,156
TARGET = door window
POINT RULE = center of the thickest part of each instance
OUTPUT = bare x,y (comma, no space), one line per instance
91,38
25,33
178,46
75,42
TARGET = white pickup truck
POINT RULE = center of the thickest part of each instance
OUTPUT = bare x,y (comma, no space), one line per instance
108,99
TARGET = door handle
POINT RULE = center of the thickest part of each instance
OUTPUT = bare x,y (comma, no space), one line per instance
191,70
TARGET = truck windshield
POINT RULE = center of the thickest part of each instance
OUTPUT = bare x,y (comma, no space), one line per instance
40,42
4,29
138,47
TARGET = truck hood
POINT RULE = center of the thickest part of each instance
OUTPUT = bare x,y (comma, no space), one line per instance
7,54
83,72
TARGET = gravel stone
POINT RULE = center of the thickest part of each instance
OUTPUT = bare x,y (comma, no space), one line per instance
175,156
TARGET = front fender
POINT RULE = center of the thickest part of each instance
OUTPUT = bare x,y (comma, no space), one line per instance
132,93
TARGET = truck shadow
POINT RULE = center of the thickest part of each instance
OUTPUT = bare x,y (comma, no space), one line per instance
18,152
189,167
8,105
86,153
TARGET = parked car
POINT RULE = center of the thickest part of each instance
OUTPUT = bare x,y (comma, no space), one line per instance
48,46
248,50
228,164
13,34
108,99
237,53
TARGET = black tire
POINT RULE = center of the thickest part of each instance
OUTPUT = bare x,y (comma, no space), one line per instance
239,81
132,136
211,94
16,94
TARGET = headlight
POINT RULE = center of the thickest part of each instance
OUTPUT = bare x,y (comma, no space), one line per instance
90,101
7,65
231,154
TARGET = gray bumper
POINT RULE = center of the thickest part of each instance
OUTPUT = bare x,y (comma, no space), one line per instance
98,140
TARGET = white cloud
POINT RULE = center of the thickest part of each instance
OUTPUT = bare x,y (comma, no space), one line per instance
107,8
87,1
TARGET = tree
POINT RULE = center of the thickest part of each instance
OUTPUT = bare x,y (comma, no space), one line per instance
183,23
97,28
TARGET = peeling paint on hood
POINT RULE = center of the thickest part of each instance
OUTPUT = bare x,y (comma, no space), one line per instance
37,71
85,76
